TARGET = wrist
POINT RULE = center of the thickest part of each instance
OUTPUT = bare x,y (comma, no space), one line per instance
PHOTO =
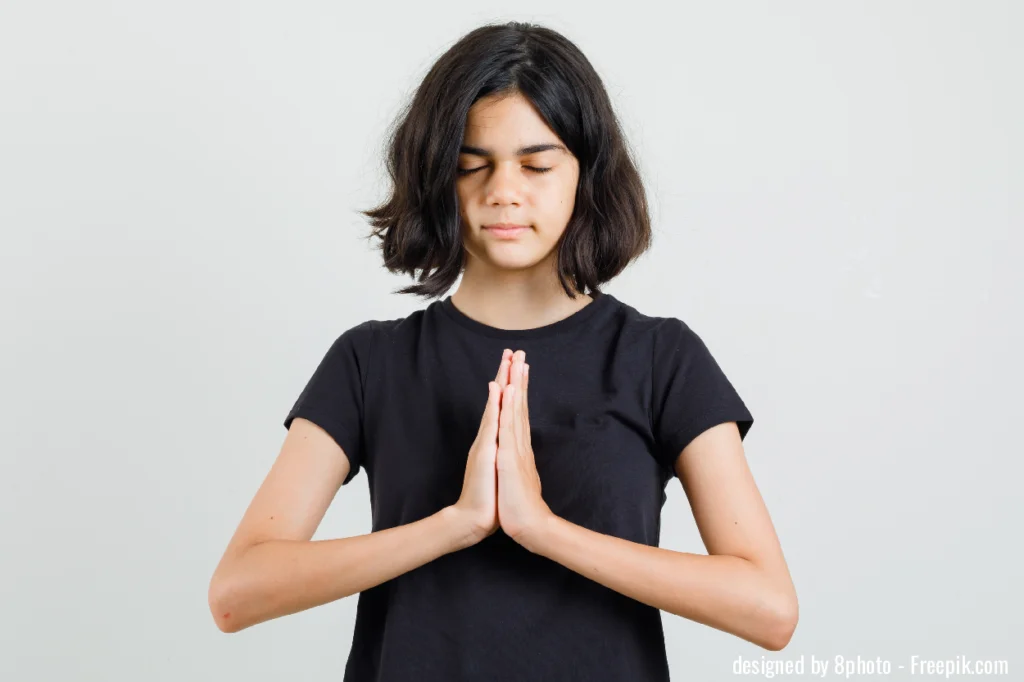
462,532
536,537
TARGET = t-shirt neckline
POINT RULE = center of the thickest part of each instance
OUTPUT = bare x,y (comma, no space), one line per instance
577,318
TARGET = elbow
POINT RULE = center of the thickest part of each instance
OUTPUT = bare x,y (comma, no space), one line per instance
230,595
783,624
223,614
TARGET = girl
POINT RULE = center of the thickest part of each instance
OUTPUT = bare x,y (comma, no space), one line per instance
518,435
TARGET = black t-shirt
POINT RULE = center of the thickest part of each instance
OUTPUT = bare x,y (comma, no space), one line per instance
615,395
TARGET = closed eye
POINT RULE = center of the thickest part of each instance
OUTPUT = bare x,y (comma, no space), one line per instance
467,171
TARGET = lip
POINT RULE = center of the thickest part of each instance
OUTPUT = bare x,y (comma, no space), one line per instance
506,229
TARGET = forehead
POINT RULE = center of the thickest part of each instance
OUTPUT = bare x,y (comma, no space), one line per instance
506,123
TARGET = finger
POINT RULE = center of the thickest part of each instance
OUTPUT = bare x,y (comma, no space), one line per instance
517,370
517,406
488,424
513,363
502,376
526,404
506,427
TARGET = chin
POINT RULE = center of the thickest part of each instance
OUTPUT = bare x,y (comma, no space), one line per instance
513,261
509,255
512,257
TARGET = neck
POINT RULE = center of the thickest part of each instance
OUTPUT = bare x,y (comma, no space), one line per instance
514,299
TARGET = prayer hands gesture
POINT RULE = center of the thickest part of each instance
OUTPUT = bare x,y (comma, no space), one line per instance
502,488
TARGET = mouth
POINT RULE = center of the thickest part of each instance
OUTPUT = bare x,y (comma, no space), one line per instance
506,230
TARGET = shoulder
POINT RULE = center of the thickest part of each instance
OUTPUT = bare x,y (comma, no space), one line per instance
668,342
357,339
660,331
370,335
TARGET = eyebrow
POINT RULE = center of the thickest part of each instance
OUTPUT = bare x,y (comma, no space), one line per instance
522,151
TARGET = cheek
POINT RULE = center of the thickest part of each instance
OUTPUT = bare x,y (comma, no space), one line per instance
560,204
563,193
465,210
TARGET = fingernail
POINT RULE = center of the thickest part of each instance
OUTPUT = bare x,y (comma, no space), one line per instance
526,369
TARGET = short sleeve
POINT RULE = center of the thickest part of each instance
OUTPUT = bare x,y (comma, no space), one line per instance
691,393
333,397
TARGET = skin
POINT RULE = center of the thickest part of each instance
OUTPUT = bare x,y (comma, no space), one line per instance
513,284
272,567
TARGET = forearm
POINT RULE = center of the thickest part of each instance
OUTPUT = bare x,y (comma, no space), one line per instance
725,592
280,577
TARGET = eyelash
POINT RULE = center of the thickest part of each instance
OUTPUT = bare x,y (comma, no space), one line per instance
467,171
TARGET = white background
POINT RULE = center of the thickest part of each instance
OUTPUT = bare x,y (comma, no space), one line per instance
836,190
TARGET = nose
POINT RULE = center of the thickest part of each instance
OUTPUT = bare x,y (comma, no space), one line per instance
505,186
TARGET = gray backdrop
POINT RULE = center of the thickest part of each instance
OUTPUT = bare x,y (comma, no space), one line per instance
836,189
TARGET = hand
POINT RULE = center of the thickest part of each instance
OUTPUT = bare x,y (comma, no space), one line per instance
478,504
521,509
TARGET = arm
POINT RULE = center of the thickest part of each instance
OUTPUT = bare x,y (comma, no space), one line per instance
271,568
742,586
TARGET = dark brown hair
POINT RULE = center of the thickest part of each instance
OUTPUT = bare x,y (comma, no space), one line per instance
419,224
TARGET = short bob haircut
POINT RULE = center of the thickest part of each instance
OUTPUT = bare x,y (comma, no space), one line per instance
419,224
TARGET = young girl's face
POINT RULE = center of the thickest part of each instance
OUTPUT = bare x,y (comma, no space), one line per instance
501,180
